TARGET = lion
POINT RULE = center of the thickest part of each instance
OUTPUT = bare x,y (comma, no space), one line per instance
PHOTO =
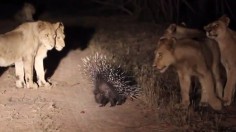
225,37
20,46
208,46
42,53
26,13
172,52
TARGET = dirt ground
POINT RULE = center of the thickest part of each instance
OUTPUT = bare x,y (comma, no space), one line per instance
69,106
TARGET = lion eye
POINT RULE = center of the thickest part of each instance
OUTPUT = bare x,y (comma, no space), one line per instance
47,35
155,52
216,25
159,55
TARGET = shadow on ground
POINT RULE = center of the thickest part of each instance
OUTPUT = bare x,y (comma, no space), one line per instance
77,37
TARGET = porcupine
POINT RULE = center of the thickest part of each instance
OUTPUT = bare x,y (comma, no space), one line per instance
111,84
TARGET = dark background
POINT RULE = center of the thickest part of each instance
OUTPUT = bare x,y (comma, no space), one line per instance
195,13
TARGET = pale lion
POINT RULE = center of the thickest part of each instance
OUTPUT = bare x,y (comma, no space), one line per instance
42,53
26,14
209,48
188,59
20,46
219,31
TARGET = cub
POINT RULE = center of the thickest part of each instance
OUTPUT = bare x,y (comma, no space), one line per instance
208,46
219,31
187,58
20,46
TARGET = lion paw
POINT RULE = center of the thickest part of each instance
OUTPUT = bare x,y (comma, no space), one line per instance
226,101
203,104
47,84
32,86
44,84
216,104
182,106
185,103
20,84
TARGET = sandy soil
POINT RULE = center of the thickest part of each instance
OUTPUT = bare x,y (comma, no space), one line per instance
69,106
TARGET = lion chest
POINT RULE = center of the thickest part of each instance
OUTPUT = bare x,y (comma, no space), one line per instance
227,57
189,68
192,64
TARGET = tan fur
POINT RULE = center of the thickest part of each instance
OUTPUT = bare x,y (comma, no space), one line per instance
219,31
20,45
209,48
26,14
181,32
187,56
42,53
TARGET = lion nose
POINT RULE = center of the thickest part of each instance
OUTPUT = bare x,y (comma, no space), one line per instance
209,30
206,28
154,65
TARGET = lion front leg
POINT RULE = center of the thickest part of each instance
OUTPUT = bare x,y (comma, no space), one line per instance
229,88
217,79
39,68
185,82
28,69
208,94
19,71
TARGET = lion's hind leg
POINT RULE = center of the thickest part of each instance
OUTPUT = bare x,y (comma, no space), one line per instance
185,82
19,71
229,88
218,83
208,93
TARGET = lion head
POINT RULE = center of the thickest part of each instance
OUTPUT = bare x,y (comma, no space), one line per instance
60,36
46,34
217,28
164,54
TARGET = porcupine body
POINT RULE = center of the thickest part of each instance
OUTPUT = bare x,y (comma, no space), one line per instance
105,92
110,83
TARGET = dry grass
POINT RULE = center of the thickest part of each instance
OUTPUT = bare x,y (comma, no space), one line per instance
132,46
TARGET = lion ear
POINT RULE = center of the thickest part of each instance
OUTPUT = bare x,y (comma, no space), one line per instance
225,19
172,27
58,25
172,44
183,24
173,40
41,25
206,28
